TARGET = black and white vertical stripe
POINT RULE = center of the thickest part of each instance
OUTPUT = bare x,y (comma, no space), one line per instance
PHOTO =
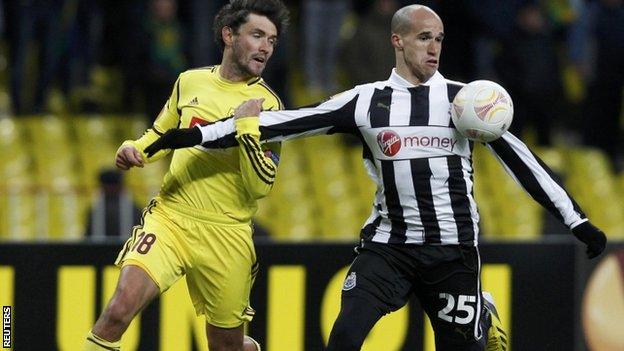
424,186
424,200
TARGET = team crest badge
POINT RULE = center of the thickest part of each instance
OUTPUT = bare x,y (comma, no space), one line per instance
350,282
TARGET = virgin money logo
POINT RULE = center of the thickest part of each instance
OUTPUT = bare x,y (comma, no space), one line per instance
389,142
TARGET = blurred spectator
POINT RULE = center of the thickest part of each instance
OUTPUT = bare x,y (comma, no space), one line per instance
529,69
457,59
1,19
64,35
598,50
322,20
145,41
164,56
493,22
367,56
122,47
39,22
113,212
202,49
84,42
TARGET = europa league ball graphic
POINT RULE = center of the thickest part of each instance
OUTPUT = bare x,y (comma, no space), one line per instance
603,305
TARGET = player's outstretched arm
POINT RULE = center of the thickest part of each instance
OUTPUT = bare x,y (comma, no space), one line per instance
593,238
187,137
537,179
336,115
175,139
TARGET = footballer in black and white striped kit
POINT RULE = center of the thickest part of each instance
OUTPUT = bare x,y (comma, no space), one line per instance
422,234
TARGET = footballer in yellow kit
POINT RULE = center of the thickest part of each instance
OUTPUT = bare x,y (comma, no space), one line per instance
199,225
200,222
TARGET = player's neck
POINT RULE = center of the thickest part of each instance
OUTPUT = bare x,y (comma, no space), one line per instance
407,74
229,71
231,75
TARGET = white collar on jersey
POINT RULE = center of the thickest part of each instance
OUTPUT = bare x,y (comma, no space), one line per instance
396,79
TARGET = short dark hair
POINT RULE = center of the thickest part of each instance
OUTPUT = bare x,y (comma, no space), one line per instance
236,13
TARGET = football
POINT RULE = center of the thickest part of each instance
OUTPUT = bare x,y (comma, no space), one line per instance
482,111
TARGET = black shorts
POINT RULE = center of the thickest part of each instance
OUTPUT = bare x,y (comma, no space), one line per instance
445,279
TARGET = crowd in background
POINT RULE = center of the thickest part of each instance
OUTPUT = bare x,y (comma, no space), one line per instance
561,60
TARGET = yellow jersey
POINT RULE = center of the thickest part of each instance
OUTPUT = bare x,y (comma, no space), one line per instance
220,184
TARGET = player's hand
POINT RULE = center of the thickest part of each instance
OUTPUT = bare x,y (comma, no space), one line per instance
249,108
175,139
128,157
594,238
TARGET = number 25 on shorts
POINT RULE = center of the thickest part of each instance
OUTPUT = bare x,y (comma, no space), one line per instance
464,310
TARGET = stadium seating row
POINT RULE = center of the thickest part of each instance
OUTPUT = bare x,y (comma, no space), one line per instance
49,172
50,166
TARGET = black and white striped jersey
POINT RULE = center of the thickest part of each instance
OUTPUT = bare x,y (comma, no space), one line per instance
420,163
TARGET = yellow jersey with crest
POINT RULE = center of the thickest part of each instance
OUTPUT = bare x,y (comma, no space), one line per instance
221,184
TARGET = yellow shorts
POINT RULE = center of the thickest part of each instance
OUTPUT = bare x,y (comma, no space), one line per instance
219,260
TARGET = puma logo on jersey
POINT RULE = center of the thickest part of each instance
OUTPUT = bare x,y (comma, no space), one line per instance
384,106
464,332
194,102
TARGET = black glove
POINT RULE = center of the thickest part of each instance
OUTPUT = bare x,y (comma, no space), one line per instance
594,238
175,139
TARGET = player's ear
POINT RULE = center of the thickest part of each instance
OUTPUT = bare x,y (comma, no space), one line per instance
227,34
396,41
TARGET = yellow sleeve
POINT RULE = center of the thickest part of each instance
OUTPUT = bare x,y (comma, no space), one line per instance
168,118
144,141
258,163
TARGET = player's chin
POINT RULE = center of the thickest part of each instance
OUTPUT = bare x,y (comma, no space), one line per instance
256,68
430,70
424,72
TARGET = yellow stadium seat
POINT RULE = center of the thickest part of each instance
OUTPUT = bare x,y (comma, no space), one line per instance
58,195
329,169
592,181
49,141
277,213
19,215
50,168
97,140
516,215
295,222
483,194
66,206
17,205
